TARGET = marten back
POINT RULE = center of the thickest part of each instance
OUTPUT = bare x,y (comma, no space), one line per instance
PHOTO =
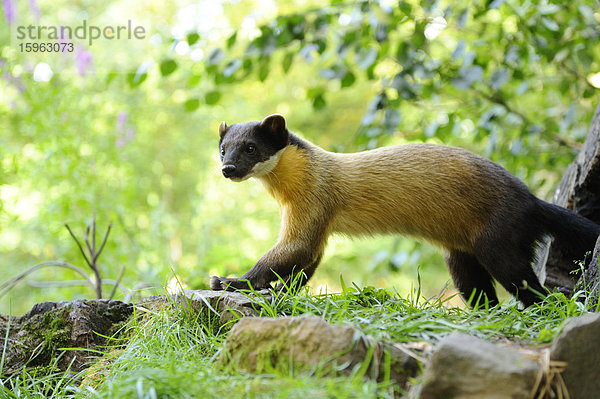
443,194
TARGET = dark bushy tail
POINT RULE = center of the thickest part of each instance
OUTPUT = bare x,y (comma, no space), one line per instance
576,234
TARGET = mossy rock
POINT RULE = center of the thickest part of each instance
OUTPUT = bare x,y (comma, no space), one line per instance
55,336
310,344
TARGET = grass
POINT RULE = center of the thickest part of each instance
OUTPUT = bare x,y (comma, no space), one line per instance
171,352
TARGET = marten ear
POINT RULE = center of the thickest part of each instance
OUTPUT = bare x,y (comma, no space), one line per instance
273,123
222,129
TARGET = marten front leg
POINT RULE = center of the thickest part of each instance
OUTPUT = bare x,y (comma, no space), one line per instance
298,250
283,260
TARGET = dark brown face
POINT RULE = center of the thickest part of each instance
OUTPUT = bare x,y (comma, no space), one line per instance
252,148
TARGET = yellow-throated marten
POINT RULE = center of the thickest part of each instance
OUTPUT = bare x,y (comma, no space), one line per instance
486,219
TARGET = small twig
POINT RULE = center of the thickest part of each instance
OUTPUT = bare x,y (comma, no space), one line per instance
54,284
6,286
87,240
94,231
95,256
72,283
114,290
80,247
103,242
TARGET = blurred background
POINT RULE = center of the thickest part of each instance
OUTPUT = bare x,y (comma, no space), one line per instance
127,129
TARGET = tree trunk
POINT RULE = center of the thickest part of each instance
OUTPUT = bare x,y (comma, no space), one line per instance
579,191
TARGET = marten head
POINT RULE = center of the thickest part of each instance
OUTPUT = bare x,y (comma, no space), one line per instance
252,149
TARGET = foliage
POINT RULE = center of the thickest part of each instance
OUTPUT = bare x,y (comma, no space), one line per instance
512,74
513,81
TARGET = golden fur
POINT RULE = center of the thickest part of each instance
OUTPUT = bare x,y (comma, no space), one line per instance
433,192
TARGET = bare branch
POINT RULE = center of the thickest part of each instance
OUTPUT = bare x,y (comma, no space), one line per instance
80,247
94,231
103,242
87,241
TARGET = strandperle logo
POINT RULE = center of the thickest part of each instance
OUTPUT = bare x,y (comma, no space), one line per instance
83,32
83,45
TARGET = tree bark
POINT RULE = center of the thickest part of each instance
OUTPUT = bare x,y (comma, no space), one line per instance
579,191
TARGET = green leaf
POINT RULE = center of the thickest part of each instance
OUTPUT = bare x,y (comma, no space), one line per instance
499,78
167,67
212,97
192,38
111,76
263,71
319,101
286,63
194,80
215,57
561,55
391,119
381,32
405,7
139,76
232,67
587,12
315,91
348,79
463,17
546,9
550,24
459,50
191,104
467,77
366,57
495,4
231,40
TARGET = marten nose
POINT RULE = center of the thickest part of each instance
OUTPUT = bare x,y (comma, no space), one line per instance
228,170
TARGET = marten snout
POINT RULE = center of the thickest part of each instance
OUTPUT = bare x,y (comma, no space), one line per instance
228,170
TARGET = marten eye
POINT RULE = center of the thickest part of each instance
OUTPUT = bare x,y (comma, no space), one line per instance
222,152
250,149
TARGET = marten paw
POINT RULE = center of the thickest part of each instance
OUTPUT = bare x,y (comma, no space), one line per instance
228,284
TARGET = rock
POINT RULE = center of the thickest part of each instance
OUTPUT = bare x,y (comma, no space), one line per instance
467,367
579,346
579,191
307,343
37,338
228,304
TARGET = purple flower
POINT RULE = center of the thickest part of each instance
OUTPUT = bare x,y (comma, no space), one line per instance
9,11
16,81
121,121
35,10
83,60
125,133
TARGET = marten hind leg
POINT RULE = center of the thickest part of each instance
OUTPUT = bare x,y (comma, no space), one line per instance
471,278
509,262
